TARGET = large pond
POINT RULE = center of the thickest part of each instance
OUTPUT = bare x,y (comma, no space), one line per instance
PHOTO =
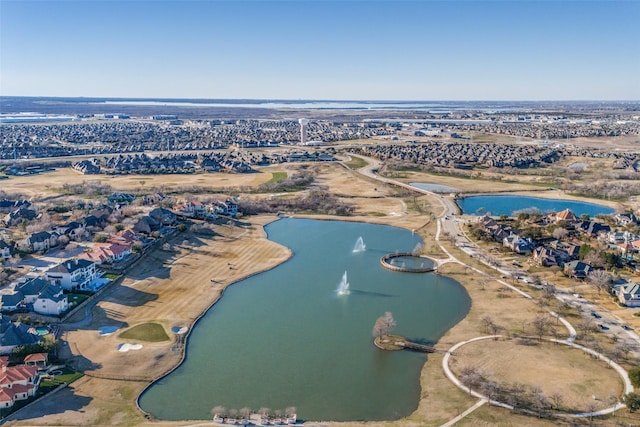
512,205
286,337
436,188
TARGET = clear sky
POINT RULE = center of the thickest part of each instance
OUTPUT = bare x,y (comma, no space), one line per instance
352,50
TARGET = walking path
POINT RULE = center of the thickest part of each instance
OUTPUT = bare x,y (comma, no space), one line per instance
450,211
628,387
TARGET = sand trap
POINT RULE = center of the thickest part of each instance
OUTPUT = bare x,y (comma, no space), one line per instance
179,330
126,347
107,330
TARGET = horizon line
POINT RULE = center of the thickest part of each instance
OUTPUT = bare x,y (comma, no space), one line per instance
313,99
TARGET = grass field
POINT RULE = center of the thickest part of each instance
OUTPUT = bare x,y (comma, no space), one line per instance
149,332
277,177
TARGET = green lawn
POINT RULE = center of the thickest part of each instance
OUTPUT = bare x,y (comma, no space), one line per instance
111,276
356,163
76,299
277,177
150,332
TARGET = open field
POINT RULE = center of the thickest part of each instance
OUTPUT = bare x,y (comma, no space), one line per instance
554,368
173,288
48,184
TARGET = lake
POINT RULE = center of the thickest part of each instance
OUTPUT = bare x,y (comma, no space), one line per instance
507,205
287,338
436,188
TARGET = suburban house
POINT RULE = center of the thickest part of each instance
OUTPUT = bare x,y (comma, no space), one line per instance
518,244
40,241
624,219
106,253
31,289
17,382
228,207
163,216
592,228
577,269
5,250
11,302
39,360
565,215
73,230
73,275
15,334
124,238
16,216
51,301
629,295
191,208
547,256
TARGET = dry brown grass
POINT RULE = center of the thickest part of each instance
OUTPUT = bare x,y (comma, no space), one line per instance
554,368
48,184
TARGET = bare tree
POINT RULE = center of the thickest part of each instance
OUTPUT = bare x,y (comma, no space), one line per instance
490,389
585,326
378,328
291,411
560,233
539,400
388,323
624,347
219,410
245,412
593,258
470,377
540,324
515,395
556,398
600,279
264,412
487,321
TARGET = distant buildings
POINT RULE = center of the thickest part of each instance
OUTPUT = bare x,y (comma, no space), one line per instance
303,130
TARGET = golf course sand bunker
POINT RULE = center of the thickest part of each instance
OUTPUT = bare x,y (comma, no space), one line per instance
107,330
123,348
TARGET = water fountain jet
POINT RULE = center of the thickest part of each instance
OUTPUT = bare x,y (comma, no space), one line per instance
359,246
343,286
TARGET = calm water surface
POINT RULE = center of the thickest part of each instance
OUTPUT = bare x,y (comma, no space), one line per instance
436,188
507,205
285,338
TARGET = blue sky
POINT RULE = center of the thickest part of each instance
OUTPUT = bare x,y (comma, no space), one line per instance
375,50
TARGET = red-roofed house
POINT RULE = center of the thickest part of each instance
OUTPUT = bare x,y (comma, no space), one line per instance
17,383
125,238
565,215
39,360
106,252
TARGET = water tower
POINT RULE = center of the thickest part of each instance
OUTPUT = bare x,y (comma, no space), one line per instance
303,130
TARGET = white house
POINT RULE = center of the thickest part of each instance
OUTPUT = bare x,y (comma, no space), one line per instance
5,250
51,301
73,275
31,289
17,382
629,295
